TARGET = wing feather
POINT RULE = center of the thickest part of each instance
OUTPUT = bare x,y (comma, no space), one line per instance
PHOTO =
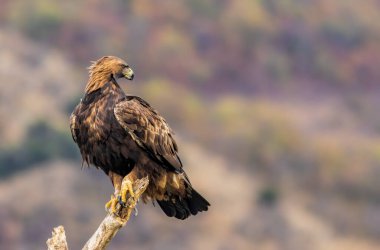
73,127
149,130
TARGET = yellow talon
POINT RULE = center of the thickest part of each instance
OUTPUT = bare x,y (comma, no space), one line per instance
120,197
127,187
111,204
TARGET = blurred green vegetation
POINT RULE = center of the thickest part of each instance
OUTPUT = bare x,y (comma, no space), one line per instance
41,143
268,196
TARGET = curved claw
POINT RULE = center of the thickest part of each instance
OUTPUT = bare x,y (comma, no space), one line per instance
111,205
136,211
119,200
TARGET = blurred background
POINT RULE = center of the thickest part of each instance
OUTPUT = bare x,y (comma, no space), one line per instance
274,104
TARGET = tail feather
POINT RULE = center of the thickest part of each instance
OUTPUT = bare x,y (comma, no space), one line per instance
181,208
197,203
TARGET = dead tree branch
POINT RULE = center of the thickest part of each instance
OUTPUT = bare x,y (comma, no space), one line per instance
109,227
57,240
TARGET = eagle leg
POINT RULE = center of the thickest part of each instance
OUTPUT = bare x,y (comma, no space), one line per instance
116,181
126,188
123,192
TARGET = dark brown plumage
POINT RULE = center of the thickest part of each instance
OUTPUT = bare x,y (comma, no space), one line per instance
124,136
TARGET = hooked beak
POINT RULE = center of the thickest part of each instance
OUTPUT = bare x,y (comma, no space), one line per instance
128,73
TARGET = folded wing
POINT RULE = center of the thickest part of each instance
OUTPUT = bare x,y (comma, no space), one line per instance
149,130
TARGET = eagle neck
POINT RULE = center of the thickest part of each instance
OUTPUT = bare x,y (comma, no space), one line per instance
110,91
98,79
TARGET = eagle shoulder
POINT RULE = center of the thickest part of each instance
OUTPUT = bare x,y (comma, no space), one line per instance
149,130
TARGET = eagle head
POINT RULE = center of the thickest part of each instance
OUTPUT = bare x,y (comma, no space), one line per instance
111,66
106,69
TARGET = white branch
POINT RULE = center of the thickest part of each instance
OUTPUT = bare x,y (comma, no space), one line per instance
58,239
111,224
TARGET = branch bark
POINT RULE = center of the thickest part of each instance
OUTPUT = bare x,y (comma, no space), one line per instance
109,227
57,240
113,222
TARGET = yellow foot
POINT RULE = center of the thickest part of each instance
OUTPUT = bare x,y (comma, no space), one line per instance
111,204
126,187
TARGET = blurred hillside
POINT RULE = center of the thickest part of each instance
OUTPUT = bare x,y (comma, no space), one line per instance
216,46
276,98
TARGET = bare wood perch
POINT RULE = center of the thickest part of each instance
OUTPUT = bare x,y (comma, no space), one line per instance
111,224
57,240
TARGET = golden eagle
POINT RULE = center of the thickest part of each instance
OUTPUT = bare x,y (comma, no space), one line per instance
124,136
